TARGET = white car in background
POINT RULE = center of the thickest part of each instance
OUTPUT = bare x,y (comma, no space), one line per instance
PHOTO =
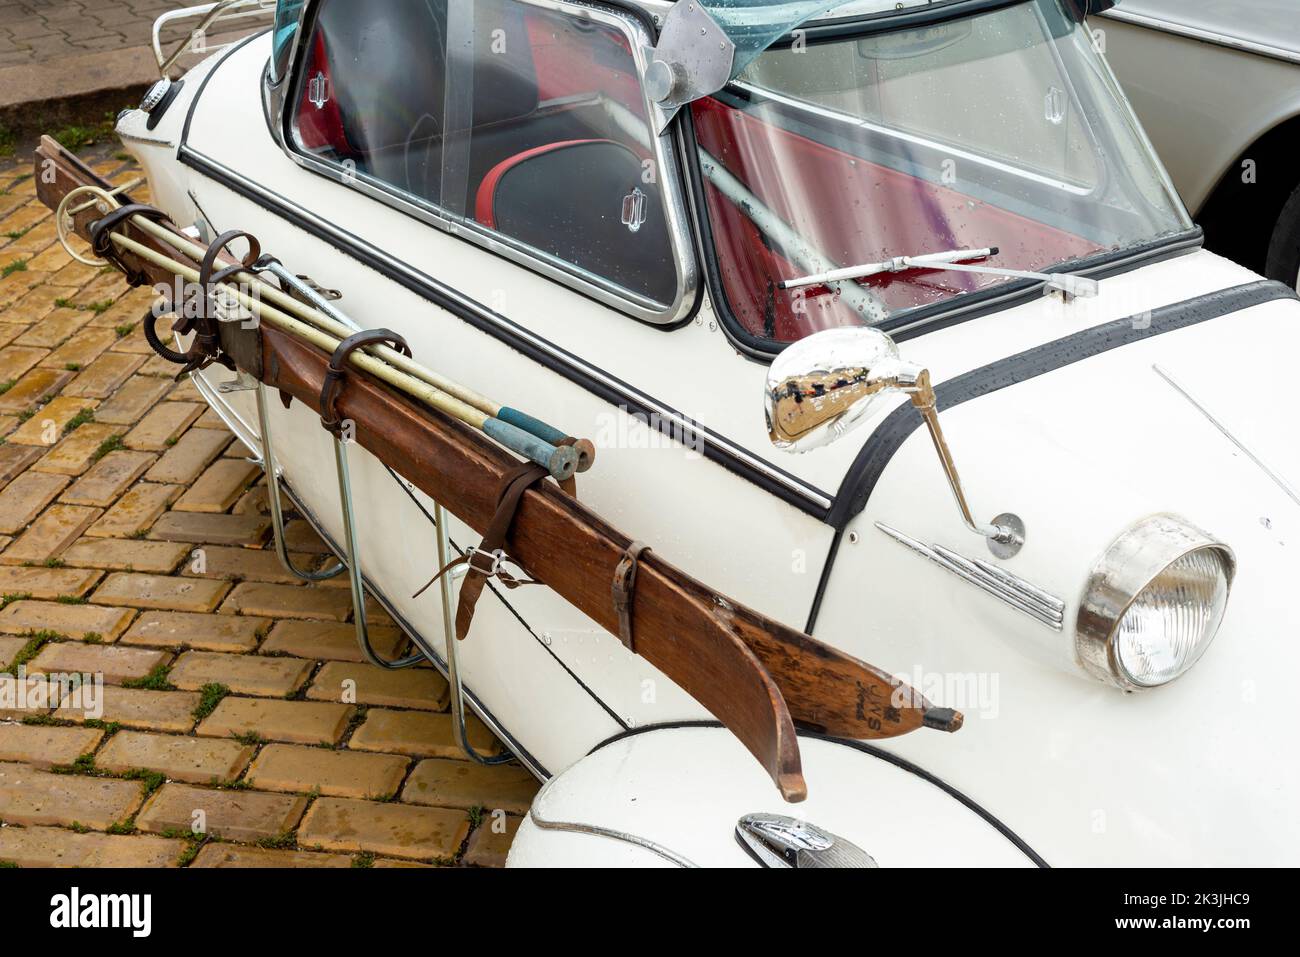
1216,83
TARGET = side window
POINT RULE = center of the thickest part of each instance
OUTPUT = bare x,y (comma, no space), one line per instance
371,94
509,116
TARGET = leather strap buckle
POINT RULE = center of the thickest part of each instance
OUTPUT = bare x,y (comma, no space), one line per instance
624,591
498,557
332,387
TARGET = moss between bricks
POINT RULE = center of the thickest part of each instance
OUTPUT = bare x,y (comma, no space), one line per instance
210,696
111,444
76,137
156,680
80,419
35,642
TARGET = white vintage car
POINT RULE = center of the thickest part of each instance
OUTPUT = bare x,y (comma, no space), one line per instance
736,242
1217,85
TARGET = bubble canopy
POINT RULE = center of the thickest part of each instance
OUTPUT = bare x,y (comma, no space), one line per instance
754,25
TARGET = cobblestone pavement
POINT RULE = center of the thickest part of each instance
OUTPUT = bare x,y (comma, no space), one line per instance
36,31
134,545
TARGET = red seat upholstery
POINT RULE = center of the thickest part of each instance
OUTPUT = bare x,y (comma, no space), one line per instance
588,203
485,202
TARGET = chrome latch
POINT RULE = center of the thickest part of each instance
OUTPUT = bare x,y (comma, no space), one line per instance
634,210
318,93
776,840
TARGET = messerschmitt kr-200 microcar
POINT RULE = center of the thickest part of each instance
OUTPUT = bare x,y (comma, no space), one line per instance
873,332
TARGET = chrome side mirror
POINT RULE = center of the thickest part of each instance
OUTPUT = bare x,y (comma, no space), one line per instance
822,387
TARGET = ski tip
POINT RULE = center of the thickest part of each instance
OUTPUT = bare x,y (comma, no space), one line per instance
943,719
792,786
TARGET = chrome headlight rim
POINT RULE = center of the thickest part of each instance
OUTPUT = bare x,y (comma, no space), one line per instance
1127,568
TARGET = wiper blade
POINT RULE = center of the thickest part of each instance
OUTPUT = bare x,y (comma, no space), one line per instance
955,260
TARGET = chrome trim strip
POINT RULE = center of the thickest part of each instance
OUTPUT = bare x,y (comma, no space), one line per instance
916,140
1011,589
510,330
1206,36
1281,483
150,141
589,284
596,830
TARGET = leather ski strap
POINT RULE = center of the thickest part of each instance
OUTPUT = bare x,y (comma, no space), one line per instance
338,367
492,549
101,233
513,486
206,347
624,591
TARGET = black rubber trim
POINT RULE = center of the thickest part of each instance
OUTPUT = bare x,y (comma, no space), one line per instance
936,12
889,21
890,435
198,94
620,394
887,756
823,581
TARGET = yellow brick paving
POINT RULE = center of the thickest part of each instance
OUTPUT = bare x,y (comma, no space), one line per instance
235,697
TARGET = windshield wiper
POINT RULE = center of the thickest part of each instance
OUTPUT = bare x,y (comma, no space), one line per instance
955,260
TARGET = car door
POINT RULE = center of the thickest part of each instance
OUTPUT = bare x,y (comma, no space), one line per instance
484,178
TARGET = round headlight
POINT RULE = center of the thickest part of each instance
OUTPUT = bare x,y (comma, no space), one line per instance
1153,603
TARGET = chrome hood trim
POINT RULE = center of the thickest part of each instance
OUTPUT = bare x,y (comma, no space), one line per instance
1001,584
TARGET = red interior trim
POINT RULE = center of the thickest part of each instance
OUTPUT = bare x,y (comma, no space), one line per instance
323,128
484,202
857,211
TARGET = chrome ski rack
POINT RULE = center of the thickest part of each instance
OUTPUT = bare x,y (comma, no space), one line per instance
459,731
353,566
272,469
349,561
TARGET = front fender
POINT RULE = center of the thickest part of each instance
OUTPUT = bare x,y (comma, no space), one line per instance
671,796
1199,423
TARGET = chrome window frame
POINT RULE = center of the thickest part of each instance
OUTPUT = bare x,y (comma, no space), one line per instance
279,99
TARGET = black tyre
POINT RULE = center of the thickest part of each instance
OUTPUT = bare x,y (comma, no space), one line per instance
1284,248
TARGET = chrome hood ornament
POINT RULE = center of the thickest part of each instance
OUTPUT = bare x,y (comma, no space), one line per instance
775,840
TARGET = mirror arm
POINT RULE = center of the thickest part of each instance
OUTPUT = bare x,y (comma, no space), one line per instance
1004,535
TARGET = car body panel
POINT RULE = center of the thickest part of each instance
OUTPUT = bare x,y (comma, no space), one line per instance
1111,771
1264,23
684,789
1173,72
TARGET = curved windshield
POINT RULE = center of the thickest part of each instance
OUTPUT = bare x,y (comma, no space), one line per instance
1001,135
